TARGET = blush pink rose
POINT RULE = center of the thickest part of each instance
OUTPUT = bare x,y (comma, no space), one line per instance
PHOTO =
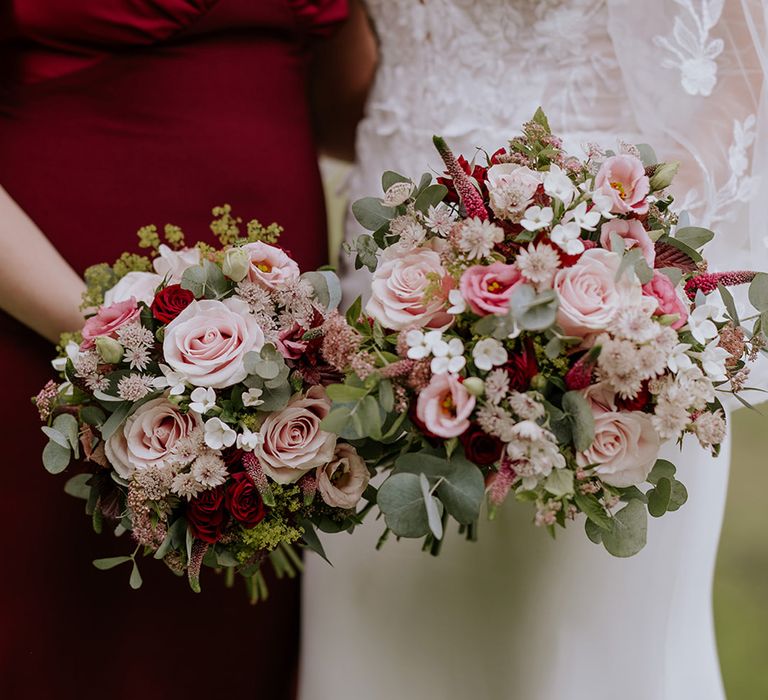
171,264
292,442
662,289
140,285
108,320
149,436
271,267
207,341
410,290
633,233
589,294
341,481
623,179
487,288
444,406
625,447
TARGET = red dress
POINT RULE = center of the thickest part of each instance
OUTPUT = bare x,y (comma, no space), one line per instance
115,114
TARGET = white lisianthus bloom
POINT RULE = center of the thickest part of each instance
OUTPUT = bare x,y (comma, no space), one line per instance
72,349
457,302
203,400
489,353
252,398
248,440
558,184
586,220
536,218
448,357
171,379
420,344
603,204
700,322
218,434
567,237
713,361
679,359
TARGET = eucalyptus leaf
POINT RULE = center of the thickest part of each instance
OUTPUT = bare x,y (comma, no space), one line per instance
135,581
366,248
326,286
432,507
559,482
78,486
661,469
386,395
430,197
647,154
531,310
371,214
694,236
390,178
758,292
590,506
92,415
55,436
336,420
66,424
678,496
581,419
115,419
629,531
402,503
594,532
730,304
659,497
56,458
110,562
343,393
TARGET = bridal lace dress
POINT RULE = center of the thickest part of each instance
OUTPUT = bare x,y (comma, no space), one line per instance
518,615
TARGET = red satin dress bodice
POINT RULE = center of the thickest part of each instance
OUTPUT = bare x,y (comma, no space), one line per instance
115,114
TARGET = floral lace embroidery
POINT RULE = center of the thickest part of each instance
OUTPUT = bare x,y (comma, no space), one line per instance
694,54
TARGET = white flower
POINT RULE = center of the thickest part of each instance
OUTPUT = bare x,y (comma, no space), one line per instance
700,324
420,344
398,194
218,434
252,398
73,351
558,184
678,358
439,220
713,361
603,204
489,353
586,220
539,263
458,305
567,237
496,385
476,238
410,232
203,400
171,379
448,357
248,440
209,470
536,217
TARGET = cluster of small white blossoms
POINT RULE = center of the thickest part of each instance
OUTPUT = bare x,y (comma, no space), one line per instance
448,355
136,342
86,364
474,239
276,309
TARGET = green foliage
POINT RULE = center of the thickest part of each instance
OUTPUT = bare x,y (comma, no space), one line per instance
326,286
533,311
401,501
581,419
366,248
390,178
430,197
628,532
758,292
694,236
559,482
206,281
371,214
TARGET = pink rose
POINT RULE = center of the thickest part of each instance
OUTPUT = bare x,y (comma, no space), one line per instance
148,436
622,178
487,288
410,291
270,267
292,441
171,264
633,233
624,449
140,285
108,320
445,406
207,341
342,481
589,294
662,289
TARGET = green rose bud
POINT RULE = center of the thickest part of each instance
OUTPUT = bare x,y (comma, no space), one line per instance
109,350
236,264
663,175
474,385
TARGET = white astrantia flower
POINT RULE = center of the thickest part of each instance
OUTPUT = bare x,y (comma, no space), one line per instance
700,322
203,400
218,434
679,359
558,184
252,397
567,237
420,344
536,218
538,264
448,357
488,353
439,220
248,440
713,361
398,193
72,349
476,238
173,380
457,302
586,220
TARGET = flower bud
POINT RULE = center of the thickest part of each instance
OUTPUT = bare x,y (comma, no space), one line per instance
236,264
539,382
109,349
474,385
663,175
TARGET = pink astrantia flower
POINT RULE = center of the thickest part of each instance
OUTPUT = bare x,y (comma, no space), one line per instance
633,233
271,267
622,178
444,406
108,320
487,288
662,289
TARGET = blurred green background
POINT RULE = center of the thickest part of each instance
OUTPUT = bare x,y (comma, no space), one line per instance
741,578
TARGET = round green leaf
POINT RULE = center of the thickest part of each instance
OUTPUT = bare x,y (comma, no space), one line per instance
400,499
658,498
55,457
628,532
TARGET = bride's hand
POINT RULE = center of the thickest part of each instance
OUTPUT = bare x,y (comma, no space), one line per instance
37,286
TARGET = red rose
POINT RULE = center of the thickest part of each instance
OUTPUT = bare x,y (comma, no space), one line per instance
207,516
479,447
638,403
570,260
170,301
521,368
244,500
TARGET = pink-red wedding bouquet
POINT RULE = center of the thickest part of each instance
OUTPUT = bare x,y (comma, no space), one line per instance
192,402
538,326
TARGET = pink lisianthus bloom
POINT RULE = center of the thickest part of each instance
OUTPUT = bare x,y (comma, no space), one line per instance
444,406
108,320
623,179
633,233
487,288
290,343
662,289
271,267
342,481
